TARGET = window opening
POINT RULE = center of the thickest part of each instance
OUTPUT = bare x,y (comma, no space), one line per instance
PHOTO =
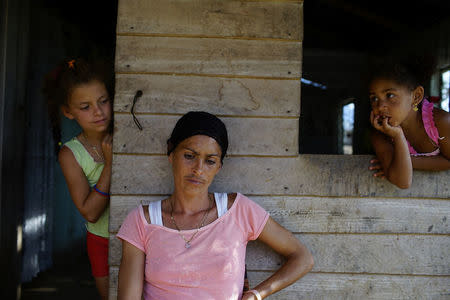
348,121
445,89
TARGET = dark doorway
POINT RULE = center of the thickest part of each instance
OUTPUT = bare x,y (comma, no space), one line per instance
42,233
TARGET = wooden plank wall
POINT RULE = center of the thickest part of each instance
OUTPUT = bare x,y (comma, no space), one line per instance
242,61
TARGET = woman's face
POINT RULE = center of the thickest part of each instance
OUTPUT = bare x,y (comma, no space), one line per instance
195,161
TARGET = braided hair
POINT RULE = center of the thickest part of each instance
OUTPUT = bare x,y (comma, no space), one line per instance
199,123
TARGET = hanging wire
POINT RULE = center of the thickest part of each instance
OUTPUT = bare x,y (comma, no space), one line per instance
136,121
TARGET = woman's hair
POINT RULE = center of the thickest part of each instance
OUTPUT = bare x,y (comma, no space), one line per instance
199,123
407,69
60,82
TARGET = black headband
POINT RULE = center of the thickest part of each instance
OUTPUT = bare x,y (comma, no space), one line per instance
199,123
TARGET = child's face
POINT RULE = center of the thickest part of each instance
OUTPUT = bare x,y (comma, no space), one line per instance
90,106
391,100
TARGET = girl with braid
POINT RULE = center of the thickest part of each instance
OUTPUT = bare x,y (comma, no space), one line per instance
78,90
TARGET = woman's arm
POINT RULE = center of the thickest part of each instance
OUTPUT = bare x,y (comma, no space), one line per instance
299,260
393,156
131,273
90,203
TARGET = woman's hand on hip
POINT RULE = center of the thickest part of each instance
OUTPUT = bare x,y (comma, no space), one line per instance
248,296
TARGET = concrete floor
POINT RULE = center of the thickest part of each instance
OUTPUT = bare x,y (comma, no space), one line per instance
66,280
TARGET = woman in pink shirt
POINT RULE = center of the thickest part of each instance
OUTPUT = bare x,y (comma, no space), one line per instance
192,244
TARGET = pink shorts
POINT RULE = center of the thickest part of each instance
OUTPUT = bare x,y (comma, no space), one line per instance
97,248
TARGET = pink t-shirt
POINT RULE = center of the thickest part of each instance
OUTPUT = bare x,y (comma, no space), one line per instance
212,268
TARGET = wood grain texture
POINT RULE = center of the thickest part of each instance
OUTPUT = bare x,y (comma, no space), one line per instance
321,175
357,287
359,253
281,20
217,95
332,215
249,136
113,282
346,286
208,56
350,253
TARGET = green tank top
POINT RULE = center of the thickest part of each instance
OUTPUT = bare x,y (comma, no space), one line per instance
92,170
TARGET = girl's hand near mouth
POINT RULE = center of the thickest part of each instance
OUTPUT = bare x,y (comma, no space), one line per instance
381,123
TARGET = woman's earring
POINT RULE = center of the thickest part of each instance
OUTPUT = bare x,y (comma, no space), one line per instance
415,108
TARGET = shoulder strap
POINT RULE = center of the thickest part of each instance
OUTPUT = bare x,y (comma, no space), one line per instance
428,121
221,203
154,211
411,149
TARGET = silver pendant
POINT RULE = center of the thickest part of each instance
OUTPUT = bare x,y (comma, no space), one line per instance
187,245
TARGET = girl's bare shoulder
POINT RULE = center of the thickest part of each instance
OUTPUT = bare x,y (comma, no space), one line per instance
67,160
65,153
442,120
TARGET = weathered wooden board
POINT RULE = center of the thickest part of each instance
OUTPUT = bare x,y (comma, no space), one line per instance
113,282
321,175
260,19
217,95
358,287
115,250
352,253
346,286
358,215
361,253
332,215
247,136
208,56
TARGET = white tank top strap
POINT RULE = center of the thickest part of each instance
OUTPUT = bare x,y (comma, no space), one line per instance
221,203
154,211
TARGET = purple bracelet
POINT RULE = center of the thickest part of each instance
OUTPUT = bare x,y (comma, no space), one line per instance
100,192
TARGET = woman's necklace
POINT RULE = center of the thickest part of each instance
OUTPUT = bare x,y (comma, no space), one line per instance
187,242
100,158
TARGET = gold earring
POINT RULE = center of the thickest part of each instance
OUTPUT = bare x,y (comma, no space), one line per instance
415,108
